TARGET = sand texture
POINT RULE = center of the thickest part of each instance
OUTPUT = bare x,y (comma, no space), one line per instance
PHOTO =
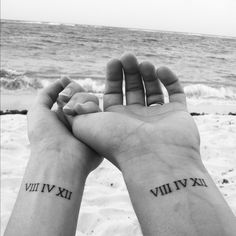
106,208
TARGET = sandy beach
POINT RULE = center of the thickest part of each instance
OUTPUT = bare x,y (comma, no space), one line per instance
36,53
106,208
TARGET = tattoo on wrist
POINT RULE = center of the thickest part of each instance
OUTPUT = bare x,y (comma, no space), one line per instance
177,185
48,188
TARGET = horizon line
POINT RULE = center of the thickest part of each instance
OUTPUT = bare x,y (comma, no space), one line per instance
122,27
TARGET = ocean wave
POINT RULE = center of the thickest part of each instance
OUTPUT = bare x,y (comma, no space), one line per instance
196,91
91,85
13,80
204,91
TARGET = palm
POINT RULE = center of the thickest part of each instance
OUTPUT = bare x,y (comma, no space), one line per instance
138,127
123,128
166,122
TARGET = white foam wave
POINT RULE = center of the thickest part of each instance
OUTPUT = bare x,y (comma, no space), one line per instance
91,85
13,80
191,91
204,91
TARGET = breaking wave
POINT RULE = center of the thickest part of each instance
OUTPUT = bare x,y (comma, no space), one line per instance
204,91
13,80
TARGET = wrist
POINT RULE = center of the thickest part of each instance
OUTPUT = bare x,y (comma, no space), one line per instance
60,164
161,164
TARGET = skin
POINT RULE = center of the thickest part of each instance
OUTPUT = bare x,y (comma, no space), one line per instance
152,146
57,158
126,127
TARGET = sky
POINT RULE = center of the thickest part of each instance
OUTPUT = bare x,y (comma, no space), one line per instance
217,17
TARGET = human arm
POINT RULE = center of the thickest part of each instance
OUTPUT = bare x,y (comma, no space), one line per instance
155,146
49,198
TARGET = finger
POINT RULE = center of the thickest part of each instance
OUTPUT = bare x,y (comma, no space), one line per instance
113,88
79,98
85,108
80,109
47,97
172,84
65,80
133,81
154,94
66,94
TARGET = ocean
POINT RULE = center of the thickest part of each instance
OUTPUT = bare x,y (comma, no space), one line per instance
35,53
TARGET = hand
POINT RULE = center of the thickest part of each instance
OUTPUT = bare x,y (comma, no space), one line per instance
48,129
155,147
137,132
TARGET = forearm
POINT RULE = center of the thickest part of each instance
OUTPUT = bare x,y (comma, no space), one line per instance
170,200
49,198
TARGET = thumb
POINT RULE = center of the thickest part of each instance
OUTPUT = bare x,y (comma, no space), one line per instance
104,132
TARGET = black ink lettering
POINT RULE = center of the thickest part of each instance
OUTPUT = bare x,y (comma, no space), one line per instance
43,188
154,192
61,191
31,188
167,188
203,182
27,186
163,189
160,188
182,182
49,189
67,194
36,187
196,182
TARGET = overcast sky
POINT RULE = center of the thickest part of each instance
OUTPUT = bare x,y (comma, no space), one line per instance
196,16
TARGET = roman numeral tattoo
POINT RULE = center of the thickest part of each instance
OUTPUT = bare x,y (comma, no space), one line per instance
48,188
64,193
163,190
177,185
31,187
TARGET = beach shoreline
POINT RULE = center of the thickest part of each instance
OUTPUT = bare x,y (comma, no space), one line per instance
23,100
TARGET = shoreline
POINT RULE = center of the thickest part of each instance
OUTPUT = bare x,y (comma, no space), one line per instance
20,103
24,112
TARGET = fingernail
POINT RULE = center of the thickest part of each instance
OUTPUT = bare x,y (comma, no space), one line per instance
66,92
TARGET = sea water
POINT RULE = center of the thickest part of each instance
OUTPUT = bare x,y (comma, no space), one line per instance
35,53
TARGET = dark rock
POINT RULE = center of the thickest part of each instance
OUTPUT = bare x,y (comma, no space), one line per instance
197,114
225,181
13,112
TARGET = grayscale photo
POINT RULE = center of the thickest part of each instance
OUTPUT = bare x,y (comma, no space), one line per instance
118,118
